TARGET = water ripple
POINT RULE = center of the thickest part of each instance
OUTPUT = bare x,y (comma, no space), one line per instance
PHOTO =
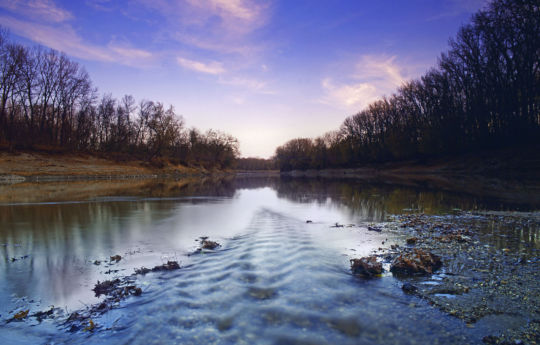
276,284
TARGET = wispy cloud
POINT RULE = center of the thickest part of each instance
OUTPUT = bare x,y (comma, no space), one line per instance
380,70
213,67
373,76
221,26
102,5
125,51
42,10
248,83
350,95
63,38
457,7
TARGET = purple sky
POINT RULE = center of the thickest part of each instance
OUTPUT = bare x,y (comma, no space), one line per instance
263,71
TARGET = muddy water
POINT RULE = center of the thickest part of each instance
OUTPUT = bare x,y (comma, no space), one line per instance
275,280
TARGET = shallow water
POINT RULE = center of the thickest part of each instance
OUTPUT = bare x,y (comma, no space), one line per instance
275,280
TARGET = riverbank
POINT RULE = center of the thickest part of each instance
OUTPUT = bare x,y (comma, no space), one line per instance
502,174
489,275
38,166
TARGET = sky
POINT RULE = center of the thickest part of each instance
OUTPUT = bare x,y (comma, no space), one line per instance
264,71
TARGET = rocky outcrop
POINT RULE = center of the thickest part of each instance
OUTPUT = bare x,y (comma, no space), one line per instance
366,267
416,262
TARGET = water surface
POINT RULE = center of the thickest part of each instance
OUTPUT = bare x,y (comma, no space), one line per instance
276,279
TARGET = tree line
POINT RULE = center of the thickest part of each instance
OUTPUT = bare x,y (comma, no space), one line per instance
253,163
484,93
48,102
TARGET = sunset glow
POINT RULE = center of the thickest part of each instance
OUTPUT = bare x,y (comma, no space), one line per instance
263,71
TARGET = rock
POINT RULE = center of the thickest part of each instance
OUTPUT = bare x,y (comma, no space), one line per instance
41,315
106,287
412,240
137,291
142,270
21,315
409,288
366,267
205,244
309,221
490,339
75,316
169,266
374,228
416,262
452,237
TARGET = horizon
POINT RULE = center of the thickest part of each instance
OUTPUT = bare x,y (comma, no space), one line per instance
262,72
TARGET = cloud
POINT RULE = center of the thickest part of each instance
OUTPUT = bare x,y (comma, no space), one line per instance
454,8
208,68
380,69
222,26
63,38
356,95
373,76
42,10
243,10
102,5
127,52
249,83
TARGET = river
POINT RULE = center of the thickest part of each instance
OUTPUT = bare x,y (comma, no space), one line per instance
281,275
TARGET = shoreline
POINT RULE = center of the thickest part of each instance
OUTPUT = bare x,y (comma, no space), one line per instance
486,276
503,175
510,175
44,167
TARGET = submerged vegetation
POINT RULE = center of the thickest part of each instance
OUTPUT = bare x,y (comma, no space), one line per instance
48,102
484,94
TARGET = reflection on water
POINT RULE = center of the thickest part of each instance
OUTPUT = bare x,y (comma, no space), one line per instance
276,279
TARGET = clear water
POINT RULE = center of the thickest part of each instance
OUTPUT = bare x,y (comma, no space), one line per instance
275,280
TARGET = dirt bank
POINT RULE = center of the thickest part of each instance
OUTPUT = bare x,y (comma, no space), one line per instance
33,166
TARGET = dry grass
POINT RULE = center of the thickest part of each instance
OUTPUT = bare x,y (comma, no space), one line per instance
47,164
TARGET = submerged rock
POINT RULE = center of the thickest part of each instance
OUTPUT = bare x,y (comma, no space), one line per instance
42,315
409,288
374,228
169,266
416,262
412,240
366,267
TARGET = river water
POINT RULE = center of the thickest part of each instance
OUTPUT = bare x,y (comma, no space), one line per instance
276,279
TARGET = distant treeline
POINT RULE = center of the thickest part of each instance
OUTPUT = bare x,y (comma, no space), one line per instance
47,102
255,164
484,94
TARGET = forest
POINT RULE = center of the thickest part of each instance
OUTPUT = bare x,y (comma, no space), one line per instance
48,103
483,94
